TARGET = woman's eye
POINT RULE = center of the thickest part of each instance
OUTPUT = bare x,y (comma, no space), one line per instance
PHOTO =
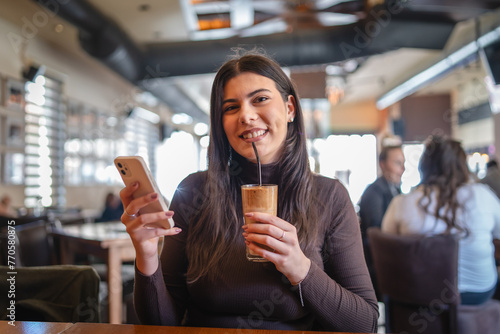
261,98
229,108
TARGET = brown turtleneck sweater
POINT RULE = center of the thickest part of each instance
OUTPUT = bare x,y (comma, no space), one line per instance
337,293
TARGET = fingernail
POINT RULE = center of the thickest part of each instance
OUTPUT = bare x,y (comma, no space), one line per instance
169,214
249,214
135,184
154,196
178,230
245,234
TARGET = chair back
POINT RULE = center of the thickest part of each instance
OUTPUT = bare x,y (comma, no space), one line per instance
61,293
35,244
417,276
32,243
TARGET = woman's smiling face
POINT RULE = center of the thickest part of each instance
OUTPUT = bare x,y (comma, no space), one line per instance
254,111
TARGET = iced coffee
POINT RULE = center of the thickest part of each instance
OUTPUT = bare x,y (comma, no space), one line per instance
259,198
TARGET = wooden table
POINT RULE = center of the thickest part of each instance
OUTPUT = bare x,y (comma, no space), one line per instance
33,327
108,241
25,327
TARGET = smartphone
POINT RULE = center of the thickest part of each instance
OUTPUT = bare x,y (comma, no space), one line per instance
134,168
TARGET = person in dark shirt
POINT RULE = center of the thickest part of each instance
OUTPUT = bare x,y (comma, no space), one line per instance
316,277
492,178
113,208
378,195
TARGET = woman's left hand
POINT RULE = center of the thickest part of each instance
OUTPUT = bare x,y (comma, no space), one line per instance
281,237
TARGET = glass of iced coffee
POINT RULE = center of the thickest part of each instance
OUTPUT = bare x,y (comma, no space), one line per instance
259,198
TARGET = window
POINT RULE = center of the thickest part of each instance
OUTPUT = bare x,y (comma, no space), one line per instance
350,158
92,137
95,138
178,156
411,176
44,150
141,138
43,135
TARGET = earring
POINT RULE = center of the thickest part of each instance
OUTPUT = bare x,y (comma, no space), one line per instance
291,120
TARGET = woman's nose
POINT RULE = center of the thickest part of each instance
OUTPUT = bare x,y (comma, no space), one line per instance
247,114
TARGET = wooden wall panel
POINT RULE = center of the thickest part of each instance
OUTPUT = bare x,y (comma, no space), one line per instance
426,115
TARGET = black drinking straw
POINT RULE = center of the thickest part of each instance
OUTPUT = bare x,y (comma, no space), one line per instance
258,163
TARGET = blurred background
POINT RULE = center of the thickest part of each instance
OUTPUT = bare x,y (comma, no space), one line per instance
85,81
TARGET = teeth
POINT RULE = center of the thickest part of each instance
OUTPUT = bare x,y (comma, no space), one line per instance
254,134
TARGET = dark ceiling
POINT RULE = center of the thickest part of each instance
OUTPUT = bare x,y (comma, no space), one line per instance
385,26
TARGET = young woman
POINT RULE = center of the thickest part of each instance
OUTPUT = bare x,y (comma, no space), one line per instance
316,277
447,202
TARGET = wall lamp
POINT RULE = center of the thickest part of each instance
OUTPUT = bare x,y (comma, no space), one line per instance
31,72
463,55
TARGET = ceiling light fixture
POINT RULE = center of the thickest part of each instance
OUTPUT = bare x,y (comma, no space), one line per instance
463,55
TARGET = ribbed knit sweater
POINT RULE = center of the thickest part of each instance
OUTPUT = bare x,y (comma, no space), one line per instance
337,293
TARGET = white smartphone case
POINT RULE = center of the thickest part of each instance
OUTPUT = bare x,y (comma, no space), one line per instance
132,169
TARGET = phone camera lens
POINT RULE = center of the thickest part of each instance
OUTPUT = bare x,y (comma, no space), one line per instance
120,165
123,172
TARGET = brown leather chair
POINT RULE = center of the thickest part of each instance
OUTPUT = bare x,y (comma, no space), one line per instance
417,277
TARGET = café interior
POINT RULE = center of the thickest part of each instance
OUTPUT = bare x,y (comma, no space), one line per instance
82,82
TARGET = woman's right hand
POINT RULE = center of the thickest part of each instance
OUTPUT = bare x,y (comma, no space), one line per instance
145,238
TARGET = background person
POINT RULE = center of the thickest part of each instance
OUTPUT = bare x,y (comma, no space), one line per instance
6,208
113,208
492,178
447,202
316,277
378,195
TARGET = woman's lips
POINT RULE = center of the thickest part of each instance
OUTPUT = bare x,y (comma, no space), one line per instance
253,134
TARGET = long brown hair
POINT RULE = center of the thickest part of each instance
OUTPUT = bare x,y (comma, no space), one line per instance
217,224
443,168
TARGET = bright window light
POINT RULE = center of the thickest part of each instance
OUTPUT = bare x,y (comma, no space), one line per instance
145,114
200,129
411,176
351,159
180,144
182,118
